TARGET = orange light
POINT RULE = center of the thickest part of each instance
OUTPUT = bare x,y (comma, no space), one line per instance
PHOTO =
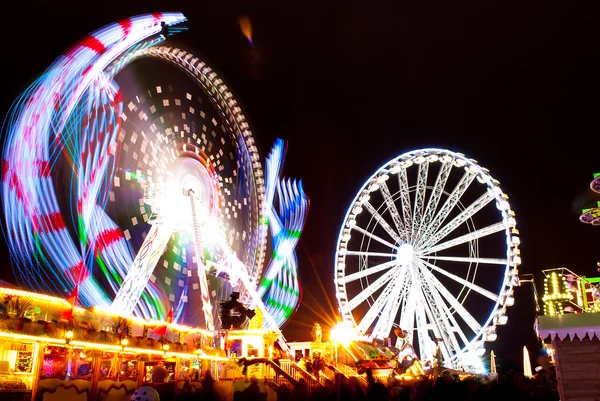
246,27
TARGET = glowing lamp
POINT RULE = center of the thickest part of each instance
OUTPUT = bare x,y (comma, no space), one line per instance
68,336
342,334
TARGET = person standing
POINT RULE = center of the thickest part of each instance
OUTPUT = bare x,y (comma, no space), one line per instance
159,373
318,364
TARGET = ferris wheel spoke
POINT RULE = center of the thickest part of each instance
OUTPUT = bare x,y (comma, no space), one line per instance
437,322
466,283
492,261
366,272
405,197
398,302
463,216
450,324
384,323
408,311
434,198
419,198
482,232
382,222
367,292
375,237
450,203
378,308
460,309
422,310
372,254
391,205
436,313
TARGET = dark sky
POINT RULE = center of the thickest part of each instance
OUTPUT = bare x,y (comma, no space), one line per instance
352,85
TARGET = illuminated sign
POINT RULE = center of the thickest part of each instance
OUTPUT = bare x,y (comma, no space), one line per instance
10,346
94,352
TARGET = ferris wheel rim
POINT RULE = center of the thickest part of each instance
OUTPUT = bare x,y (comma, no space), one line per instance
225,103
86,66
231,114
512,260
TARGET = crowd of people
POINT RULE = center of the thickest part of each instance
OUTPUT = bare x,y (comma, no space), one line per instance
510,385
312,365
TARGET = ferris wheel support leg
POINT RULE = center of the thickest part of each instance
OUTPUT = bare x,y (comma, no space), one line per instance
206,305
143,265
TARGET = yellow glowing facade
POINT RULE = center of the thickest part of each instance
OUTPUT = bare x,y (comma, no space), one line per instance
33,326
565,291
556,293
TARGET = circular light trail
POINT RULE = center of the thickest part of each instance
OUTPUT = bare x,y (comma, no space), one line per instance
429,244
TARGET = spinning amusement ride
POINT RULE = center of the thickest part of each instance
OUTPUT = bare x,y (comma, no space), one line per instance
130,172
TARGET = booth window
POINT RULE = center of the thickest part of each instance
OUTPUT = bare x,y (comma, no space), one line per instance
82,365
55,362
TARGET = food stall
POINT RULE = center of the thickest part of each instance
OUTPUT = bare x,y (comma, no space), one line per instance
51,350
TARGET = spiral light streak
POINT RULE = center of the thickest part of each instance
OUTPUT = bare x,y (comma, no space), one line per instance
87,143
80,129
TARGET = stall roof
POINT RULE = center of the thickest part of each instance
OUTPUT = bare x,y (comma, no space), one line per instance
571,325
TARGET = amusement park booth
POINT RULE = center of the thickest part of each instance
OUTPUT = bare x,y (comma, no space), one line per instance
305,349
248,351
252,343
51,350
570,330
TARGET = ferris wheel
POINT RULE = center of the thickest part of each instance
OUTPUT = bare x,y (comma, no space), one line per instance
430,245
145,190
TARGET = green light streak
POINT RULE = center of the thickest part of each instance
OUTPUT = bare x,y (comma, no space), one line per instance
107,272
287,310
82,231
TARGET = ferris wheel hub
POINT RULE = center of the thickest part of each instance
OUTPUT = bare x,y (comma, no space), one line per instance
405,254
170,197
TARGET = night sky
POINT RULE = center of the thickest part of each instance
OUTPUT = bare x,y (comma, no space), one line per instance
350,86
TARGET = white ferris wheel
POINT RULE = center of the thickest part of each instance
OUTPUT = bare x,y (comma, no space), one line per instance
429,244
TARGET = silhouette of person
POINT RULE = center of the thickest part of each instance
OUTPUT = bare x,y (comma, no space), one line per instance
159,373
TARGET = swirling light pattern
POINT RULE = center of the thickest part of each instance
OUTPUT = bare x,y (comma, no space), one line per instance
114,151
79,130
279,286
